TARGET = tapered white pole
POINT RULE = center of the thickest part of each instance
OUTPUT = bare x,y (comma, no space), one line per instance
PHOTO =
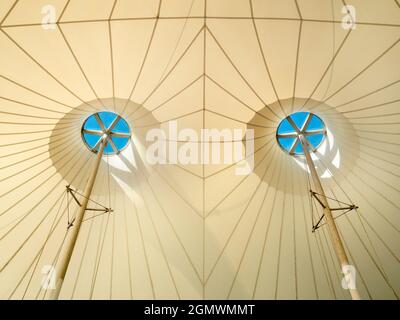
74,230
330,222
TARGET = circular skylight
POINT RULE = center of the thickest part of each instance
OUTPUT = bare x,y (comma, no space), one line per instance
109,126
300,123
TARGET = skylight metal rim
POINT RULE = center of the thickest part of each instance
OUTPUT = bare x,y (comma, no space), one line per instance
313,149
110,134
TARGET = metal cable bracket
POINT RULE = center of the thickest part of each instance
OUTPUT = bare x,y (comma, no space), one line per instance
74,194
346,208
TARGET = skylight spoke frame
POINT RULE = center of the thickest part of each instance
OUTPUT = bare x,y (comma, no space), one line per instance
293,124
287,135
119,135
300,124
113,124
112,144
96,146
307,122
314,132
106,133
100,122
94,132
294,146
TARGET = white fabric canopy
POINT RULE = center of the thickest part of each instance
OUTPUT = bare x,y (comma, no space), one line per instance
199,231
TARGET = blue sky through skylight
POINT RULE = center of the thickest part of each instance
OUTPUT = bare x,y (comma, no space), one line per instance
287,135
118,136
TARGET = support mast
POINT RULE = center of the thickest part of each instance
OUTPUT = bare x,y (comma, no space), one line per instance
333,231
71,240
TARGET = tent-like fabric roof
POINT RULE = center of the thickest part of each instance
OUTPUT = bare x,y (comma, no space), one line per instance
199,231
